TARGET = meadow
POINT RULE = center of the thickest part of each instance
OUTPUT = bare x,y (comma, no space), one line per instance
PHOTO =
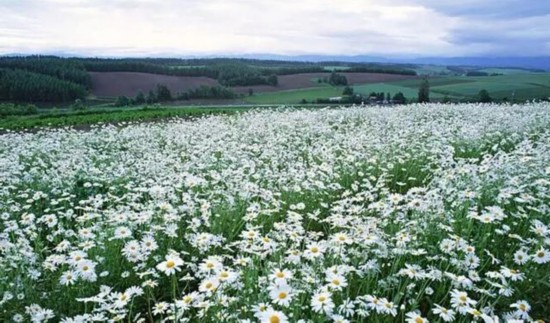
412,213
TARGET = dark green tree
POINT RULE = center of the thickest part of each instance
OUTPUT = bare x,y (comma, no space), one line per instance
484,96
272,80
424,91
399,98
140,98
163,93
122,101
151,97
336,79
348,90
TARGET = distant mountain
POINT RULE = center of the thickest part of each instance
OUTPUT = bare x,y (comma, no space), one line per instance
521,62
542,62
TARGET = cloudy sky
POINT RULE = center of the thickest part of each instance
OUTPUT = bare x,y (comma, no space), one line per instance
290,27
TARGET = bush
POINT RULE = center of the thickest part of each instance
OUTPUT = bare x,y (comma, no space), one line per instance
7,109
484,96
122,101
348,90
337,79
78,105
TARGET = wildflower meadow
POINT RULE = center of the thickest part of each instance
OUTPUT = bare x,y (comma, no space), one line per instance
419,213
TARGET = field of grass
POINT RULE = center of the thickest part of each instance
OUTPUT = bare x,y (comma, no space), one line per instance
432,70
108,115
391,88
525,85
505,71
295,96
381,214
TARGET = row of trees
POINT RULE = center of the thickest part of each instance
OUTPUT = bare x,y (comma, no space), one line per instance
162,94
62,69
334,79
22,85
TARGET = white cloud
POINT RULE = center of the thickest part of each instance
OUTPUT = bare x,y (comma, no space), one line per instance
148,27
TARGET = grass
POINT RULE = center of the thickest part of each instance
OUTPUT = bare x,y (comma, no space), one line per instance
295,96
505,71
84,118
409,92
526,85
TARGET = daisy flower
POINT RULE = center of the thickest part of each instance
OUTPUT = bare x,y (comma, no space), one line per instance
171,264
322,302
415,317
272,316
281,294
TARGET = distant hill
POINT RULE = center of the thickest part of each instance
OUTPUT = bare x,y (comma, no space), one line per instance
522,62
542,62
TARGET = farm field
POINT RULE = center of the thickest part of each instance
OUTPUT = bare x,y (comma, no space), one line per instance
113,84
296,96
363,214
525,85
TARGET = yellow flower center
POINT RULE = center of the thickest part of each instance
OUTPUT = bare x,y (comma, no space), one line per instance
209,265
282,295
224,274
280,274
274,319
170,264
522,307
314,249
208,285
463,298
418,320
336,282
322,298
540,254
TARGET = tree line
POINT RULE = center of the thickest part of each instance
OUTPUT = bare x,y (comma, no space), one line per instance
163,94
22,85
63,69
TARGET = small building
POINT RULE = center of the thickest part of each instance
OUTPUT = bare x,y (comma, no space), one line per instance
335,99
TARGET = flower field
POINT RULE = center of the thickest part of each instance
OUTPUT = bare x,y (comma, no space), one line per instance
419,213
